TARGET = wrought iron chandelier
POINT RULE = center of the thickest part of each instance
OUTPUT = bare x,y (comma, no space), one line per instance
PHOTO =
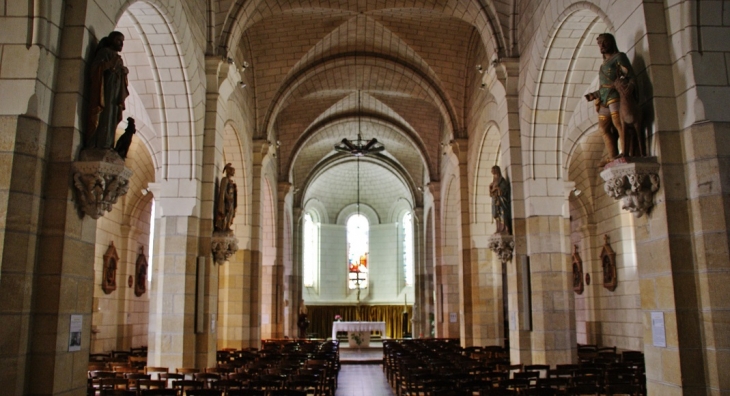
359,147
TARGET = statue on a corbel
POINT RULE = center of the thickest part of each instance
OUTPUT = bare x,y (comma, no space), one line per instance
99,176
501,242
223,243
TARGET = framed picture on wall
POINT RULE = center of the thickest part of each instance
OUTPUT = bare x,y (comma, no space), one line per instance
109,274
608,263
140,273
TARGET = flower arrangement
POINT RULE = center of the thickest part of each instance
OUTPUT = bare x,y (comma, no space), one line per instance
338,318
358,337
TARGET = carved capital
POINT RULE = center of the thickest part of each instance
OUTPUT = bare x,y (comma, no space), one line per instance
634,181
223,245
502,245
99,184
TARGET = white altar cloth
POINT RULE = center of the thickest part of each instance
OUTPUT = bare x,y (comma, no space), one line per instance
357,326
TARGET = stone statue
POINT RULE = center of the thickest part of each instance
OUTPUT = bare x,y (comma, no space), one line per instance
499,190
227,201
619,118
302,320
124,141
108,92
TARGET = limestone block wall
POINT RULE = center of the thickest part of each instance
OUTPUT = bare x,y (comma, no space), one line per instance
386,275
119,319
603,317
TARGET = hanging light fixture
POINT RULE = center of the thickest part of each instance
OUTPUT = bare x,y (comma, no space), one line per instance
359,147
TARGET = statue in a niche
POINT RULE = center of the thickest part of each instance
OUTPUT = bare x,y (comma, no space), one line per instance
499,190
226,201
108,92
616,101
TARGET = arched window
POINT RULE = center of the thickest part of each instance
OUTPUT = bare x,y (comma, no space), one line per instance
358,249
407,225
310,256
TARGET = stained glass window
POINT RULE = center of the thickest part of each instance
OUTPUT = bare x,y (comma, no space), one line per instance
358,249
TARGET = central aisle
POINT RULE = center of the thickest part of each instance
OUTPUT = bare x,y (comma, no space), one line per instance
362,380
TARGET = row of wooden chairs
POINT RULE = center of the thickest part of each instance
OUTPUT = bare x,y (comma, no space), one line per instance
308,369
203,392
433,367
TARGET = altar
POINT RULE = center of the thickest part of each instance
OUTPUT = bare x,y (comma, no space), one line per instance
360,327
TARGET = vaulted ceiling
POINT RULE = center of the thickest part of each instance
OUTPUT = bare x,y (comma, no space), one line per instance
398,74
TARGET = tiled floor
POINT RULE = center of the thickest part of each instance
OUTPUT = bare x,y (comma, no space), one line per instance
362,380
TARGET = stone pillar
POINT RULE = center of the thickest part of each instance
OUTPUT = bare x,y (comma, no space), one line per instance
261,149
708,167
46,248
172,340
295,280
467,270
553,317
487,298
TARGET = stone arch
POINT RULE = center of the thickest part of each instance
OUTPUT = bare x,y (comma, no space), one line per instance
594,214
564,64
421,83
162,56
316,207
330,130
364,210
487,157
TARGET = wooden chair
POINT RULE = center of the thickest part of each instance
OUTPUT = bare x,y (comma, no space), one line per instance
287,392
117,392
540,368
158,392
204,392
150,384
138,362
188,372
155,370
207,378
185,385
623,389
169,377
246,392
134,378
113,383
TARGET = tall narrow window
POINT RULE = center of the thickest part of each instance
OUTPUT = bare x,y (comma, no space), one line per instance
408,248
358,249
151,245
310,250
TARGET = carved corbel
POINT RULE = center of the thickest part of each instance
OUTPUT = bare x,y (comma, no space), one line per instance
99,178
503,246
223,246
634,181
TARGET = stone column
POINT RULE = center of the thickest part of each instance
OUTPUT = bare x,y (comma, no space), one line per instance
553,336
296,281
172,340
467,270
